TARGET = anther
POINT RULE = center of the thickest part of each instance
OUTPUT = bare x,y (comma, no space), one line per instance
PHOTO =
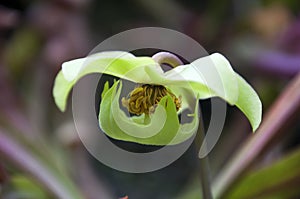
145,98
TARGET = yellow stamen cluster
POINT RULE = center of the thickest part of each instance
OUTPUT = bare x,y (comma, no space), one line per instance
145,98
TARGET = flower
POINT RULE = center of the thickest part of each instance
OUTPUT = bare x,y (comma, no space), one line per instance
160,96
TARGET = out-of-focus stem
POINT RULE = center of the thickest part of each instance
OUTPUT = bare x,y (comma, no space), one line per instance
174,61
15,154
204,164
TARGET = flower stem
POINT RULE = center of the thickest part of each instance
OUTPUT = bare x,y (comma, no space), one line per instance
167,58
204,169
174,61
203,163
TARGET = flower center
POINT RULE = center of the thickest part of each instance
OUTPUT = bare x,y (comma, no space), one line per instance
144,99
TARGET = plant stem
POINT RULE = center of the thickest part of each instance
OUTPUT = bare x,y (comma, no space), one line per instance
204,163
174,61
167,58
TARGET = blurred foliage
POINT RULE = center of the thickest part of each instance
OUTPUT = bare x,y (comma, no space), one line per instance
260,37
277,180
293,5
22,49
24,188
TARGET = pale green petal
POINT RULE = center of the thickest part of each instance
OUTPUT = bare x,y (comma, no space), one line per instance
188,129
119,64
61,90
171,132
71,69
212,76
236,91
208,76
249,103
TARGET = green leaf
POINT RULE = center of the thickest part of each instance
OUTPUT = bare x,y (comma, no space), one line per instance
26,188
117,125
278,180
192,190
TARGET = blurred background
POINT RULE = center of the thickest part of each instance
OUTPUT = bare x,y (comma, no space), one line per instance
40,154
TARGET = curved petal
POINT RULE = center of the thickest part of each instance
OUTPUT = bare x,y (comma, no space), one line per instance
171,132
205,77
208,76
71,69
213,76
188,129
120,64
249,103
61,90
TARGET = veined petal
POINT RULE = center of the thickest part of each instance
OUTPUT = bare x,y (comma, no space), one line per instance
120,64
171,132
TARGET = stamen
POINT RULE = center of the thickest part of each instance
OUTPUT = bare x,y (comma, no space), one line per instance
145,98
